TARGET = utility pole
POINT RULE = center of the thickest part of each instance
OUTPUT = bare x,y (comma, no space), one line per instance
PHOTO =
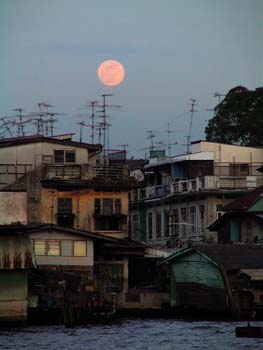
192,111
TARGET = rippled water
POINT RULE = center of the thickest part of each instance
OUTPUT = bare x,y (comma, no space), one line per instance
131,335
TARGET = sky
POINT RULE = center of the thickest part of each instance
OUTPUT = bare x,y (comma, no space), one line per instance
172,51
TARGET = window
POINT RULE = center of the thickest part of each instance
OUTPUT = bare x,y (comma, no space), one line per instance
158,224
62,156
39,247
70,156
53,248
80,248
107,206
64,205
65,217
150,226
239,169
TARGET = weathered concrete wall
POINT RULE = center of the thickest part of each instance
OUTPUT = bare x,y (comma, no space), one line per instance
82,207
13,207
13,295
226,153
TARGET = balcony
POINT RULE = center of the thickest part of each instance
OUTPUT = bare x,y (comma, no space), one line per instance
157,191
216,183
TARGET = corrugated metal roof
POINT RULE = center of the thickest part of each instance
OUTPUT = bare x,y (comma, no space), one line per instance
230,256
246,202
8,142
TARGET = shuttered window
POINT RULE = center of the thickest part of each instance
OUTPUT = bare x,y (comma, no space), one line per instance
53,247
40,247
80,248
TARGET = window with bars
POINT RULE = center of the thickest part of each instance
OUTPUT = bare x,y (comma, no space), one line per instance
107,206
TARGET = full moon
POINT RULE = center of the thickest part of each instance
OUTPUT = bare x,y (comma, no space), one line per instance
111,73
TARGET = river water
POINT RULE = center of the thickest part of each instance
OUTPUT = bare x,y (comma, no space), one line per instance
132,334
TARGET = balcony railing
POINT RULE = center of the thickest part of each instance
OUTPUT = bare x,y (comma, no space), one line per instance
215,183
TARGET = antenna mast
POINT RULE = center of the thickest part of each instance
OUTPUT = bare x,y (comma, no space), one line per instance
192,111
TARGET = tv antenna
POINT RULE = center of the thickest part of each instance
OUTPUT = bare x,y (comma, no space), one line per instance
151,136
105,125
192,111
5,125
21,122
219,96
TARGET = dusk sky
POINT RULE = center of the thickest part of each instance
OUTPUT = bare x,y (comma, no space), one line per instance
171,51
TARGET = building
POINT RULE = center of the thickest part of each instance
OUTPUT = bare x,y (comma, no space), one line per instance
67,183
242,220
217,278
180,196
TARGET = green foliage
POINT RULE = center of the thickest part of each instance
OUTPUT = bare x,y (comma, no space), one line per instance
238,118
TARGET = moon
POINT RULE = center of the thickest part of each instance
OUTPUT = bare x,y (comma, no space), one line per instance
111,73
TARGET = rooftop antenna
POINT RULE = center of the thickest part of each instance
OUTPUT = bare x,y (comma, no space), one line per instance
192,111
104,124
124,149
82,124
151,136
20,123
52,121
5,124
169,144
219,96
41,114
93,104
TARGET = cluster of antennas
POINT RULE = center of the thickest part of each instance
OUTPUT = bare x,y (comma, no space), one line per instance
98,121
35,123
43,122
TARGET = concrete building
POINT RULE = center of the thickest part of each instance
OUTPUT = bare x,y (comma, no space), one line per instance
181,196
67,184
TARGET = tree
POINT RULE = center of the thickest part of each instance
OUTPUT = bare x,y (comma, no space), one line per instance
238,118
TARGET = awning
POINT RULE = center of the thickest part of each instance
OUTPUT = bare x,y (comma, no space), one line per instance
254,274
